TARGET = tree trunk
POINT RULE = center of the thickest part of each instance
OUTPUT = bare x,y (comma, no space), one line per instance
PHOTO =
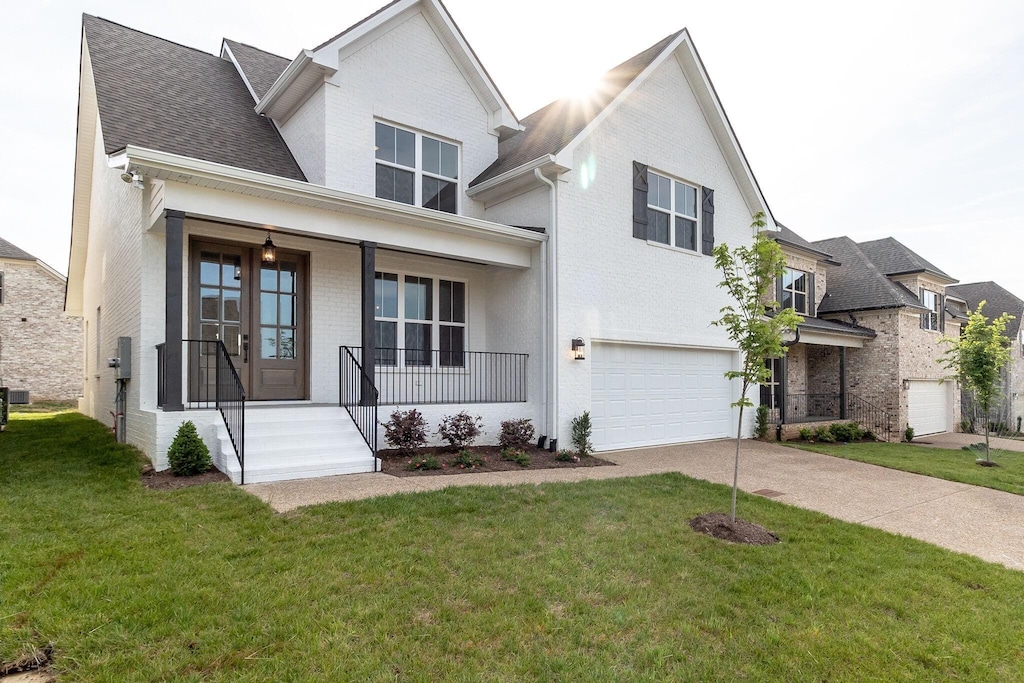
988,453
736,464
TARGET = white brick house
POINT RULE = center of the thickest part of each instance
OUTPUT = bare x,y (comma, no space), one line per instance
424,236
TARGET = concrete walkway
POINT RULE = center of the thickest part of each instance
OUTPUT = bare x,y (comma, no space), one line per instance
982,522
957,441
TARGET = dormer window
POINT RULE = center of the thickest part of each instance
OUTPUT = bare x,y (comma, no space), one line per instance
416,169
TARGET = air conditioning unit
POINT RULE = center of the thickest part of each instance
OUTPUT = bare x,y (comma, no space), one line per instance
18,397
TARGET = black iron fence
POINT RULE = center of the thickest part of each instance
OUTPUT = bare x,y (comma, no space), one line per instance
811,407
871,416
359,398
213,382
421,377
829,407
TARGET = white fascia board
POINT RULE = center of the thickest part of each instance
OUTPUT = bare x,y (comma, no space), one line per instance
188,170
225,50
493,186
274,104
824,338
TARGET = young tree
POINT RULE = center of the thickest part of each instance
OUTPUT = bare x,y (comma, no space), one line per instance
748,274
979,357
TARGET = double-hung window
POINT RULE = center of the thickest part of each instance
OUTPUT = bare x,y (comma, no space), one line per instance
671,212
416,169
771,390
411,313
794,290
931,301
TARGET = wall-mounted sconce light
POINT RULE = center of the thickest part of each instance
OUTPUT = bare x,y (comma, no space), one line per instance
906,385
577,349
269,252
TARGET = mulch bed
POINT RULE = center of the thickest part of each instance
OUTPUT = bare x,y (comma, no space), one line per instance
166,481
718,525
398,465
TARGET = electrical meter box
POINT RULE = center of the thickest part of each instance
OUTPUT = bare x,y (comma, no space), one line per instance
124,358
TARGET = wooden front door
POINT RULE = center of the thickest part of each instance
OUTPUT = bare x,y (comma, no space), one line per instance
259,311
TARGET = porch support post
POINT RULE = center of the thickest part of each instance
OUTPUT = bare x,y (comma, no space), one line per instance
784,367
368,253
173,308
842,383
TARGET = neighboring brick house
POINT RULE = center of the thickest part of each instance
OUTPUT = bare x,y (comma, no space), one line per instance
426,236
40,346
998,301
868,349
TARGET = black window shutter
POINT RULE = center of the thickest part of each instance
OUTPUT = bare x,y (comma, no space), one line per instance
942,313
924,316
778,292
811,308
707,221
639,200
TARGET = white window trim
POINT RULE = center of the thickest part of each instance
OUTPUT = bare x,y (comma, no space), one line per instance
936,309
673,214
435,323
418,172
773,381
807,293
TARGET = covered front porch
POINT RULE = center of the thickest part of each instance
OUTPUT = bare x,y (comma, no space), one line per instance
808,386
439,312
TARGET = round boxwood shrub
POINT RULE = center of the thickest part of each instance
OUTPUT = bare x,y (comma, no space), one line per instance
188,455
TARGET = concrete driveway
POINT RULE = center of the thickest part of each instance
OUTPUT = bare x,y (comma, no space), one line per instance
956,441
982,522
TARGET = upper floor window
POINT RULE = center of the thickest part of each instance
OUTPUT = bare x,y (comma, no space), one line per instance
794,290
416,169
931,301
671,212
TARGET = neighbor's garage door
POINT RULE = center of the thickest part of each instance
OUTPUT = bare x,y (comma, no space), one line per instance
649,395
929,407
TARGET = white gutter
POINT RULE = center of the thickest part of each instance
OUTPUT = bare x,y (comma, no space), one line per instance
187,169
284,80
503,178
549,334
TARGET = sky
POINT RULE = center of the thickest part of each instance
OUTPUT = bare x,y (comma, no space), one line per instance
868,119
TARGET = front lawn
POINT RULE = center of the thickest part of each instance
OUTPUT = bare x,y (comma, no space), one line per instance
954,465
597,581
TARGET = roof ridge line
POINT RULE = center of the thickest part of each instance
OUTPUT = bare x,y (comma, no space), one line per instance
152,35
253,47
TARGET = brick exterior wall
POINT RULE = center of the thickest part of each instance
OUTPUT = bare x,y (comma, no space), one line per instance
40,346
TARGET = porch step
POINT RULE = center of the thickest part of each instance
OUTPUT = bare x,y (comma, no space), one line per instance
296,442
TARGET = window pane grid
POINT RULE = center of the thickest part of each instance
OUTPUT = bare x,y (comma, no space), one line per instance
794,290
671,212
412,325
429,179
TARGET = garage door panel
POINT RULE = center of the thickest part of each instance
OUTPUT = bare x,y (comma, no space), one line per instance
670,395
928,407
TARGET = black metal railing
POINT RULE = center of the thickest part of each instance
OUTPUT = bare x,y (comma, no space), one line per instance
812,407
213,382
871,416
5,407
422,377
359,398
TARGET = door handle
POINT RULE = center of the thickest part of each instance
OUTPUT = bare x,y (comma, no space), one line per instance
245,348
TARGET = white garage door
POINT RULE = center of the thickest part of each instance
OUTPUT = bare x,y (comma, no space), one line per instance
928,407
649,395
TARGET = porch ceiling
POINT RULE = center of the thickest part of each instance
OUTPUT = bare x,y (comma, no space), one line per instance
224,193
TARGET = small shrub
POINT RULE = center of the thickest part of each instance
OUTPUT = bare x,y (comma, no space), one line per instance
565,455
516,433
908,434
761,422
467,459
967,426
974,448
823,435
846,432
188,455
406,431
460,430
581,432
517,456
425,462
806,434
870,435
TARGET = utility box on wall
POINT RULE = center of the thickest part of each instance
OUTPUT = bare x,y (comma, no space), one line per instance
124,358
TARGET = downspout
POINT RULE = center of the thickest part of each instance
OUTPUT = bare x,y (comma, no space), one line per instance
551,317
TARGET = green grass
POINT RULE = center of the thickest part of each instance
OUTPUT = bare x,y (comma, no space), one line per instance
954,465
44,407
596,581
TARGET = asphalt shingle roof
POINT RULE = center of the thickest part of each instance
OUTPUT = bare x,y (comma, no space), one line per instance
8,250
159,95
261,68
858,283
836,326
997,301
892,257
549,129
787,236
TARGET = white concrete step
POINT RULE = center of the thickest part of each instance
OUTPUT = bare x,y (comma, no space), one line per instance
295,442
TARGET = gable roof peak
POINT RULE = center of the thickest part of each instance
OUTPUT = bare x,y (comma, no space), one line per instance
9,250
